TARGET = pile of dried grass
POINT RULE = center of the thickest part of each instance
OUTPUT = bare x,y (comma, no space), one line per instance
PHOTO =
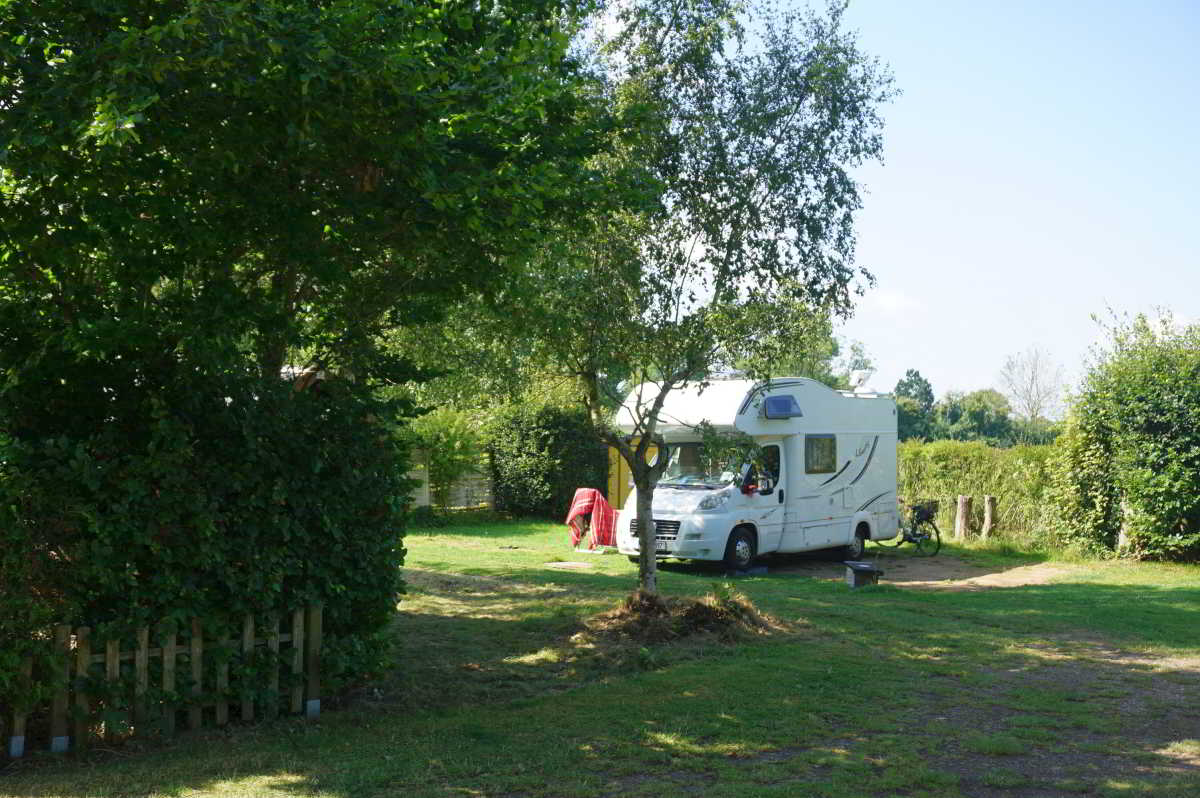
644,618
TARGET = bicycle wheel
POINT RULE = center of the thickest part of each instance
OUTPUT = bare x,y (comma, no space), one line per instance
892,542
928,539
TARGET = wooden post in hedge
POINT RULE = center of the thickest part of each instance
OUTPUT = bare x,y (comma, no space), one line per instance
196,658
989,516
60,737
112,674
247,652
141,670
297,661
312,661
962,521
272,708
83,709
169,651
16,737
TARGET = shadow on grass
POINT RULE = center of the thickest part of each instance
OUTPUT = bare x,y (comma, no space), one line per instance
998,684
486,524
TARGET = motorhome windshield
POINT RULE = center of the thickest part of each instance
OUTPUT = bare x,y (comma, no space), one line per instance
686,468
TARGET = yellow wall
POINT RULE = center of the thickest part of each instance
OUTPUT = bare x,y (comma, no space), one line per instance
620,481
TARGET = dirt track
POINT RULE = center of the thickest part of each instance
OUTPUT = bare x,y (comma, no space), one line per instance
943,571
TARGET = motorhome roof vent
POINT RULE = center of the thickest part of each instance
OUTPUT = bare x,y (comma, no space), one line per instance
783,406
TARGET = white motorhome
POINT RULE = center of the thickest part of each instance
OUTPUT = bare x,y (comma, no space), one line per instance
828,473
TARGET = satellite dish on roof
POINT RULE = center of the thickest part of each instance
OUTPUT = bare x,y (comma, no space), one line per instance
859,378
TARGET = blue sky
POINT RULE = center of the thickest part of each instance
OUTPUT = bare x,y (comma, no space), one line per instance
1041,166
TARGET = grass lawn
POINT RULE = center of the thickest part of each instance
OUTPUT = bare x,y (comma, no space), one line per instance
1005,676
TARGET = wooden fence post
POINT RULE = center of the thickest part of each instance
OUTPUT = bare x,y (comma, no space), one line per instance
223,683
247,650
112,674
141,670
75,706
60,739
298,661
196,655
272,708
168,674
989,516
83,710
16,739
312,662
962,521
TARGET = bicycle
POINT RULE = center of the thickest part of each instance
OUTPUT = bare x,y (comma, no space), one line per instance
919,530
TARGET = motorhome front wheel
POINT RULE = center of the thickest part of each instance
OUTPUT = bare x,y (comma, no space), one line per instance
739,552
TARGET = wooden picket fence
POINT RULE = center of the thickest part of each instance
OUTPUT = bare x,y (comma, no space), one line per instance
72,723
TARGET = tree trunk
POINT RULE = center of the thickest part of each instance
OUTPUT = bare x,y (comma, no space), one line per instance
647,563
271,356
989,516
962,521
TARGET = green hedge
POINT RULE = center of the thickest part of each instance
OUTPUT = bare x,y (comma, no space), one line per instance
243,497
1131,459
540,455
942,470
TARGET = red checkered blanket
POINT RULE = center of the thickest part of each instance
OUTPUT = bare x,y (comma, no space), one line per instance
602,526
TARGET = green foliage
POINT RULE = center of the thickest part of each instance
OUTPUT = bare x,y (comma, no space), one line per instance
741,126
425,517
453,447
540,455
277,174
942,470
914,407
917,388
194,192
911,422
232,497
1131,458
1083,504
983,415
724,450
794,338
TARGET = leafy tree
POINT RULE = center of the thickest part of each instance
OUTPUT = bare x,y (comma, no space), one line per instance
980,415
911,423
194,194
794,338
737,198
914,407
917,388
270,176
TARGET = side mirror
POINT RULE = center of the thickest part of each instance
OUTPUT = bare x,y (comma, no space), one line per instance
765,486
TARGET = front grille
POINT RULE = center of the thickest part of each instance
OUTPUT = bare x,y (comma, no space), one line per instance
663,530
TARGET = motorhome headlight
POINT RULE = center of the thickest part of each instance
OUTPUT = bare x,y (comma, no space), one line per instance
713,501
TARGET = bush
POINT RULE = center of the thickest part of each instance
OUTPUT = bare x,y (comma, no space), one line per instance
943,470
453,446
1131,465
230,496
1083,506
540,455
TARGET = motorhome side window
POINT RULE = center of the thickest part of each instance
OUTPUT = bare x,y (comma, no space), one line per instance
820,454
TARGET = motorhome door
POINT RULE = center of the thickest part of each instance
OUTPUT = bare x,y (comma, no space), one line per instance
769,501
